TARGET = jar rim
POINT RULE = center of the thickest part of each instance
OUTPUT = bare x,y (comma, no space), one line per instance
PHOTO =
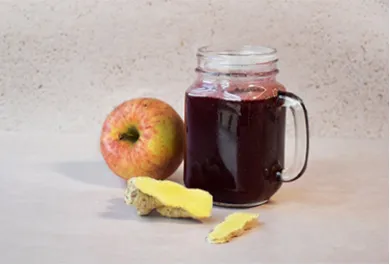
242,55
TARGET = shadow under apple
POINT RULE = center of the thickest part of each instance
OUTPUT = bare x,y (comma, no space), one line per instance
90,172
98,173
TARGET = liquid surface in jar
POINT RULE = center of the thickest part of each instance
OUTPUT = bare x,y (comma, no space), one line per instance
234,147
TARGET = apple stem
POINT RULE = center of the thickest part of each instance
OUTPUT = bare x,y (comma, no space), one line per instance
131,135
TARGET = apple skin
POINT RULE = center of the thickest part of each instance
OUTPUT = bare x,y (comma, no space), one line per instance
143,137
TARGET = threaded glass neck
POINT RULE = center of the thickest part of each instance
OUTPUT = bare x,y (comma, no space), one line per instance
237,61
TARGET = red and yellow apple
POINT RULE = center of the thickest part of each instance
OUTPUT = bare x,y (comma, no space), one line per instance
143,137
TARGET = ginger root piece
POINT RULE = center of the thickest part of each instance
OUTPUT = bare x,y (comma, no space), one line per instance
169,198
234,225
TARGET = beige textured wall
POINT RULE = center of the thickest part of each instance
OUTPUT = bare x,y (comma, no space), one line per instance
65,64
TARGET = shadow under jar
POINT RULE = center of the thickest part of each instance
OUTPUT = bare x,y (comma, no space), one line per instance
235,118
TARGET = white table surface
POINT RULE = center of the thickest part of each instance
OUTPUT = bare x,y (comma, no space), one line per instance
60,203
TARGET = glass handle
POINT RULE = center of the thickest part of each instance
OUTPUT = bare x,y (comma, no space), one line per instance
301,127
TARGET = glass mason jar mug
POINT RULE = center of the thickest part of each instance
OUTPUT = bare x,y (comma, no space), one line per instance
235,118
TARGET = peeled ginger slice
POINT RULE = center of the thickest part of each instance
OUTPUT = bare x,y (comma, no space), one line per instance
234,225
168,198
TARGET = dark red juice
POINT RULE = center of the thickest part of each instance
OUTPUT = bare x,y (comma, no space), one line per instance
234,149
